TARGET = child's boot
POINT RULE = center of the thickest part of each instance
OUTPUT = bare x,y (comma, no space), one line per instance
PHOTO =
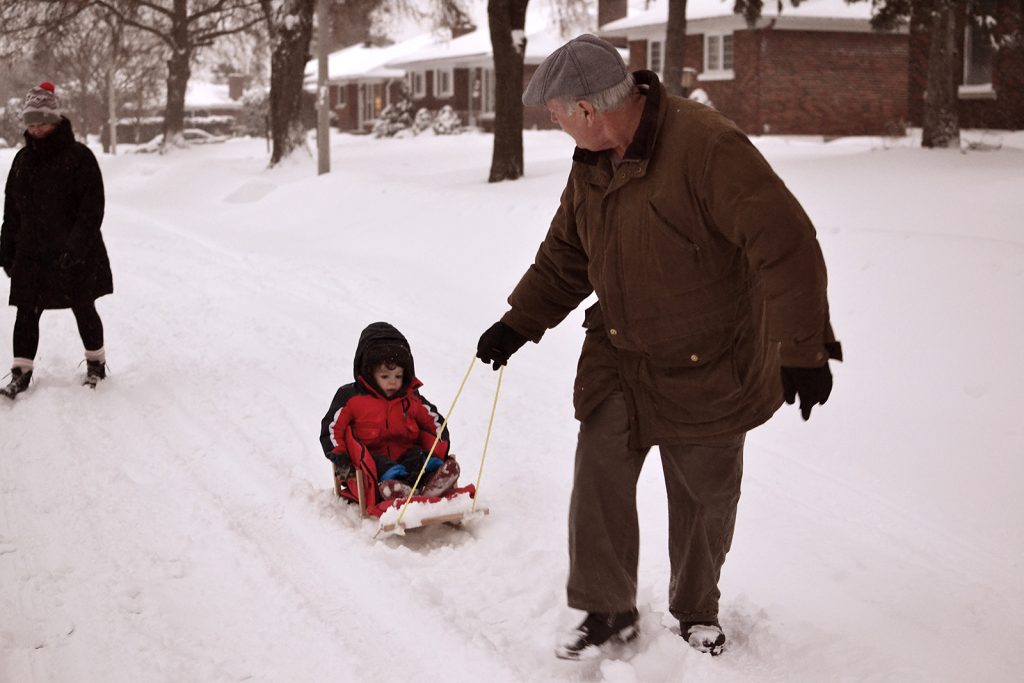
392,488
443,480
20,378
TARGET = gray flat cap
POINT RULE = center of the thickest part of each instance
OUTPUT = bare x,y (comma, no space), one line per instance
584,66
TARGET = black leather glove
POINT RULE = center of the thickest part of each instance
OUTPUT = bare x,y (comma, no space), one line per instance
812,385
498,343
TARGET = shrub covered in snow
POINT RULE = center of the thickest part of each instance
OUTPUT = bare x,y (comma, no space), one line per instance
394,119
447,122
701,95
424,120
11,125
254,118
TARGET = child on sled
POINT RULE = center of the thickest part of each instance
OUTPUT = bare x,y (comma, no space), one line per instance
382,425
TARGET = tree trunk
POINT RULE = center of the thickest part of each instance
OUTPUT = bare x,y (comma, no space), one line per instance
507,20
941,121
675,48
287,70
179,70
111,111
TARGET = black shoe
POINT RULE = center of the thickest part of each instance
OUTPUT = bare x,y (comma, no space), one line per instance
703,636
597,630
95,370
19,382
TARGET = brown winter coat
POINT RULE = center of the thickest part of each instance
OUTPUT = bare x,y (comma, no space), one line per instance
708,275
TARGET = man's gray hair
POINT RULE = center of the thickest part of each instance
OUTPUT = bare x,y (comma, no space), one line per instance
608,99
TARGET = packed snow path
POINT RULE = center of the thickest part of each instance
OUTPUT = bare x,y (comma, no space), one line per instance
179,523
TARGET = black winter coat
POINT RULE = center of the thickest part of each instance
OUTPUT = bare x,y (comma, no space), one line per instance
50,242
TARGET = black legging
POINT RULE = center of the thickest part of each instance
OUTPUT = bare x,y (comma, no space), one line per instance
26,329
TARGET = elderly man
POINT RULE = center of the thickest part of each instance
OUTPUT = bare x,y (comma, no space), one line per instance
711,312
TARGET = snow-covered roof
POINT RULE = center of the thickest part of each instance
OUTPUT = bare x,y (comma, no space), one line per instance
368,61
205,95
807,13
473,48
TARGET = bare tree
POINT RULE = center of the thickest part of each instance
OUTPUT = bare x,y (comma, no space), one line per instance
290,24
351,22
675,47
507,21
184,26
26,21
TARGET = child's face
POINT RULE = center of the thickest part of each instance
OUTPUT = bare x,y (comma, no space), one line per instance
389,379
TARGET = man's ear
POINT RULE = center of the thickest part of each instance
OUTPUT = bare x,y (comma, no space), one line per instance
586,110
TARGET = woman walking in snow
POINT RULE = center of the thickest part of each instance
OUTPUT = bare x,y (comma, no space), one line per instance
50,242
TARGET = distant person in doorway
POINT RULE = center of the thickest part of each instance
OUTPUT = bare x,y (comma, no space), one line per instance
51,247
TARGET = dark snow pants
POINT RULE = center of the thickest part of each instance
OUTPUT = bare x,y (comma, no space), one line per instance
703,484
26,329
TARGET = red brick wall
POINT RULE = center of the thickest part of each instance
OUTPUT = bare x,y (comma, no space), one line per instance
347,115
807,82
833,83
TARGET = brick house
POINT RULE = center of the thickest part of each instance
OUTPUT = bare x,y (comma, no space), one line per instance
360,82
815,69
991,80
460,73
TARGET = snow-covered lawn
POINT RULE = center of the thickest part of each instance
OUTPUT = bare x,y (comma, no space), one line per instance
179,523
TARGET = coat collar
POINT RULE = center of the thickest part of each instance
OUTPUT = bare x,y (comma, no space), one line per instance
642,145
62,137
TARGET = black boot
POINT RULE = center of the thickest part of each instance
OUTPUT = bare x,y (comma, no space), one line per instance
19,382
596,630
95,370
703,636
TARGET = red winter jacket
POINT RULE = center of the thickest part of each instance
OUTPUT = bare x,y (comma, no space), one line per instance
362,423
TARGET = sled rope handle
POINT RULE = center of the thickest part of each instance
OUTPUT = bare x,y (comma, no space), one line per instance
487,439
437,438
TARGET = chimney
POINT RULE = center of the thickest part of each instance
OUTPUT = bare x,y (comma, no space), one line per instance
610,10
236,86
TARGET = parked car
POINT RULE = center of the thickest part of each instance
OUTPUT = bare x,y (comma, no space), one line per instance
193,136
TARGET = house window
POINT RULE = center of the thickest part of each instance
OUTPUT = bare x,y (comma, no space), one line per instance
417,84
339,96
654,59
978,53
718,62
443,83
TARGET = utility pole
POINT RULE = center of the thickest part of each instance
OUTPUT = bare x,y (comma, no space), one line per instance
323,121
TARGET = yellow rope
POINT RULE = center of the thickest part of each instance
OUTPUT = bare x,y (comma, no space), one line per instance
437,438
487,439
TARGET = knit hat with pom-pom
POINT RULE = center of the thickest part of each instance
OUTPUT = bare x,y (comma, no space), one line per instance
41,105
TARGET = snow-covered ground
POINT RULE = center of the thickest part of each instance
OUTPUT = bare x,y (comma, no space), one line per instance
178,524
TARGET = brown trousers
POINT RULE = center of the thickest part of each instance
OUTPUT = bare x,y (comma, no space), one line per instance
703,484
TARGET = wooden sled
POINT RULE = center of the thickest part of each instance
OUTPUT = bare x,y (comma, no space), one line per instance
454,509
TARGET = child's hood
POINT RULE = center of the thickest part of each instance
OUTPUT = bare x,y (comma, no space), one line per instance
375,334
